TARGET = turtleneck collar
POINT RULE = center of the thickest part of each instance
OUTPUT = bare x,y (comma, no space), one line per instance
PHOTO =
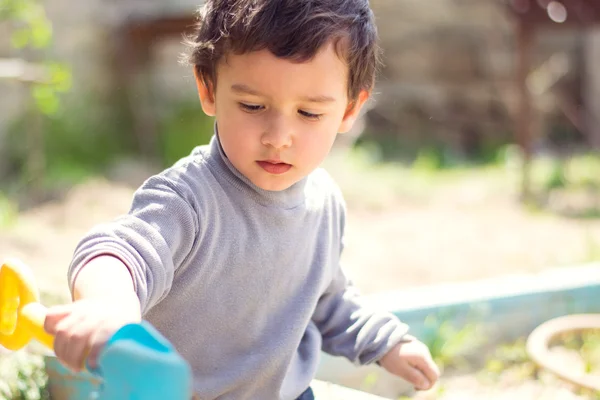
288,198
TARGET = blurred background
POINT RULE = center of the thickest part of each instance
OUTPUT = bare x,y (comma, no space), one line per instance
477,157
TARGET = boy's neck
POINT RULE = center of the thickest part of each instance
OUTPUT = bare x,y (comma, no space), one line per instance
288,198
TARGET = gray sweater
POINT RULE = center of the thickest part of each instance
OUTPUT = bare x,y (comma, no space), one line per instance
245,283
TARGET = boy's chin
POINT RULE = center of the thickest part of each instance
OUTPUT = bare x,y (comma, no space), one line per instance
275,185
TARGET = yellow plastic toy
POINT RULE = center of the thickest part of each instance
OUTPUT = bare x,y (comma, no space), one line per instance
21,314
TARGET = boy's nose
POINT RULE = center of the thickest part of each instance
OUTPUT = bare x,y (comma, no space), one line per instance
278,136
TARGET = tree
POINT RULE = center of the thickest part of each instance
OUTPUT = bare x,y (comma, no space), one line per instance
32,33
46,79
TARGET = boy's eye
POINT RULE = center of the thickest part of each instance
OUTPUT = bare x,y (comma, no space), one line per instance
250,107
308,115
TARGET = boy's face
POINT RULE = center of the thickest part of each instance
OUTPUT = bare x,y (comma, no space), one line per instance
278,119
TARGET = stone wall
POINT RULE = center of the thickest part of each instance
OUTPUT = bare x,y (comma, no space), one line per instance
85,34
449,74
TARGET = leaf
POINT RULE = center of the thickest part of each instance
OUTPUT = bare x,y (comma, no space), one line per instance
20,38
60,77
46,99
41,32
20,10
494,366
35,28
9,9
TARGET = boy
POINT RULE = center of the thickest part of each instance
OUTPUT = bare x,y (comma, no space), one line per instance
233,253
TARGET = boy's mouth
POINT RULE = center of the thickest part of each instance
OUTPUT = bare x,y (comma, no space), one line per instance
275,167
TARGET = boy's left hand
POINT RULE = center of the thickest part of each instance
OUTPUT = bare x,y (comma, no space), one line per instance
411,360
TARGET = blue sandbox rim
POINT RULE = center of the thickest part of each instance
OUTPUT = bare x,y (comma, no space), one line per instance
511,306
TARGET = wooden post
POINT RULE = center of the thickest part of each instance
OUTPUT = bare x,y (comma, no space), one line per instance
524,131
591,88
36,158
134,78
30,74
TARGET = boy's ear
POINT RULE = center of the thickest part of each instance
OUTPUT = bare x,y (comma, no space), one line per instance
353,111
206,94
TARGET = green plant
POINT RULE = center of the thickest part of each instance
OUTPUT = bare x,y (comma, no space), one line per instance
23,377
592,248
587,344
31,36
183,129
450,346
590,351
369,382
429,159
33,30
557,178
438,391
79,140
510,358
8,211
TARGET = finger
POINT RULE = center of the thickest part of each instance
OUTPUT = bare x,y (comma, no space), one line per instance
428,368
63,340
78,345
93,355
97,344
55,315
415,377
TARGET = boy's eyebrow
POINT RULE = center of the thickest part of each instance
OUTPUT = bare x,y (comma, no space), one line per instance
318,99
243,89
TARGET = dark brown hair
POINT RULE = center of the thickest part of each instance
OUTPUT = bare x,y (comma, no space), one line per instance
290,29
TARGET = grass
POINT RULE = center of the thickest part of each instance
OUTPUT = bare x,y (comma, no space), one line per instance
587,345
8,212
370,184
511,358
452,347
592,248
569,189
22,377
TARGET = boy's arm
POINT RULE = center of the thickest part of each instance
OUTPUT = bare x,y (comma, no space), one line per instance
106,277
348,327
123,268
364,335
351,329
104,300
139,251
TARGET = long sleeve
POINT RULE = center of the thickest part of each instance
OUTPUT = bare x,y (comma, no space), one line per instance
348,327
152,239
352,330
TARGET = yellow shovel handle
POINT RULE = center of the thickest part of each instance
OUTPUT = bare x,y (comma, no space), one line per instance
34,314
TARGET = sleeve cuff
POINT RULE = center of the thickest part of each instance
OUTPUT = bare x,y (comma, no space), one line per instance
396,337
76,268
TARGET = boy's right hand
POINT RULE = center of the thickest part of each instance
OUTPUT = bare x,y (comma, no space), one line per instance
82,328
